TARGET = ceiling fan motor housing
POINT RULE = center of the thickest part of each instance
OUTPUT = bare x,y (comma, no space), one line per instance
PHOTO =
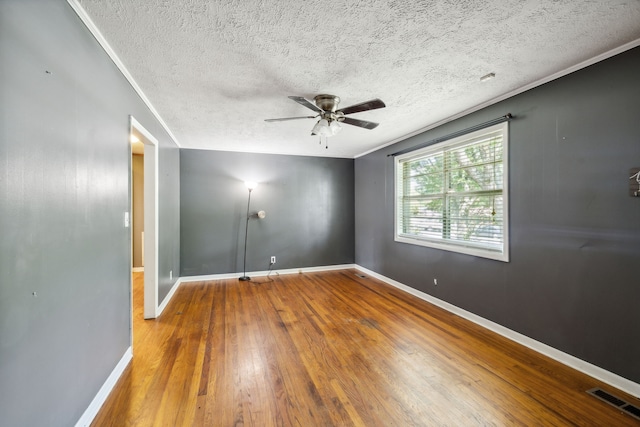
327,102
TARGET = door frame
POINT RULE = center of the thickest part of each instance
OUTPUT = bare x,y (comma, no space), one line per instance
150,242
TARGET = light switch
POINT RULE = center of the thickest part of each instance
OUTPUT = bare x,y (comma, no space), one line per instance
126,220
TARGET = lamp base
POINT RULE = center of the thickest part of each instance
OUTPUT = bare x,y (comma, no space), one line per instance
244,278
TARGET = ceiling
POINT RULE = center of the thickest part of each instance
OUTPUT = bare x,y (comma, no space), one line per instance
214,70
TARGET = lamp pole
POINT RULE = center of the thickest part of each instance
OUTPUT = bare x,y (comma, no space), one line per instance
244,276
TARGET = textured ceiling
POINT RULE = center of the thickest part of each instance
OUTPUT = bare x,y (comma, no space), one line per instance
214,70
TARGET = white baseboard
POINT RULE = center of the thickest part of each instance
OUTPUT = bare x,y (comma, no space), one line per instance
587,368
265,273
166,299
90,413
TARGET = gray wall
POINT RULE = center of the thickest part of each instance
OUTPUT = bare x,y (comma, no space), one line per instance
168,207
572,282
308,201
64,188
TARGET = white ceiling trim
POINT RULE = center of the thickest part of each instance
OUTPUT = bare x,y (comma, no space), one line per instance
93,29
567,71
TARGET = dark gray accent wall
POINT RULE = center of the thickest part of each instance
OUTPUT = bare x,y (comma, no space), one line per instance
572,282
65,254
308,202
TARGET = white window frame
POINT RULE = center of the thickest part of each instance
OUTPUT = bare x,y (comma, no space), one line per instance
445,244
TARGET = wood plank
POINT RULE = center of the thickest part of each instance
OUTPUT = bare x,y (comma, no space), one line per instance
335,349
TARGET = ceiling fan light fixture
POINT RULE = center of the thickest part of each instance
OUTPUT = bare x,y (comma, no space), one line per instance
326,128
335,127
320,128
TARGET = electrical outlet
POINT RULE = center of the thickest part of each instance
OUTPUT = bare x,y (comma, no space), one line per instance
435,282
273,259
170,274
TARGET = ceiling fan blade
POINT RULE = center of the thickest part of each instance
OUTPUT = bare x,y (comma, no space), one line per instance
304,101
363,106
290,118
361,123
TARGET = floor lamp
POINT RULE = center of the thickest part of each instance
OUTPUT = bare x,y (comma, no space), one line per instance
250,186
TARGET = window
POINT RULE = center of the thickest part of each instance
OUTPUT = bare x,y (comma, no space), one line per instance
453,195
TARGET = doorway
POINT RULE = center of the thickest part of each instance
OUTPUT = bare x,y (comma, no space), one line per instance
149,243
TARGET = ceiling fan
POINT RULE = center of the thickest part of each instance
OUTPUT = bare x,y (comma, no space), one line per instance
330,116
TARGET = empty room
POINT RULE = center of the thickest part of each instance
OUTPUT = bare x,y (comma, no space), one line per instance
367,213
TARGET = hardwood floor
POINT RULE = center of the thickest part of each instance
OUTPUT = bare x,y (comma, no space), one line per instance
335,349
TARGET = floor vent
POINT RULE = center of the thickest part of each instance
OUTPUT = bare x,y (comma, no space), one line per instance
362,276
632,410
